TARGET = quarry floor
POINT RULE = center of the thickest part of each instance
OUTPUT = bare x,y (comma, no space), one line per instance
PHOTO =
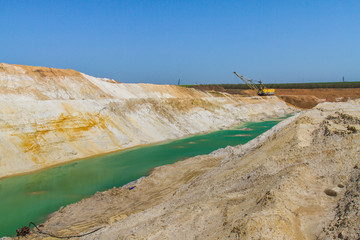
299,180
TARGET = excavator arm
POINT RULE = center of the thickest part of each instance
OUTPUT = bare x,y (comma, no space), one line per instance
248,82
261,90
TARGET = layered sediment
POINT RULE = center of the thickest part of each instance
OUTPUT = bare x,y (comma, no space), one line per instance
51,116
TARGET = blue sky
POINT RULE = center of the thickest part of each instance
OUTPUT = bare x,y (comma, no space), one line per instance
196,41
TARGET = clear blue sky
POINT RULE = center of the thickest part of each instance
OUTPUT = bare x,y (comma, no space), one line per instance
196,41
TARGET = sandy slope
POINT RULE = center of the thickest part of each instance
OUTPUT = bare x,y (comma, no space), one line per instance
49,116
299,180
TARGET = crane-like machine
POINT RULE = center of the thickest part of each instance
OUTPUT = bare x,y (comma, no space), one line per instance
261,90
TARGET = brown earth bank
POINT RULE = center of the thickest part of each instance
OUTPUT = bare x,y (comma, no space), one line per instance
309,98
300,180
301,98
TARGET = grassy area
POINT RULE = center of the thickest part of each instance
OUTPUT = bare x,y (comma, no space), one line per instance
299,85
293,85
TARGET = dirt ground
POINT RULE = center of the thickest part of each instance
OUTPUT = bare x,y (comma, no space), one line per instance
301,98
309,98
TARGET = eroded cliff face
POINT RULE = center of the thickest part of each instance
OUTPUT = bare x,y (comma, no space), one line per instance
50,116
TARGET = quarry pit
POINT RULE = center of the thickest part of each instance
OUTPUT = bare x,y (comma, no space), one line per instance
295,181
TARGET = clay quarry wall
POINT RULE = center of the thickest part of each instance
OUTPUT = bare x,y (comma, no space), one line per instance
50,116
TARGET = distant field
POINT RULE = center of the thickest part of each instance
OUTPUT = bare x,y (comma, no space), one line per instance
292,85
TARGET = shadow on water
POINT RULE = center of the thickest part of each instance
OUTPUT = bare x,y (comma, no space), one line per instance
32,197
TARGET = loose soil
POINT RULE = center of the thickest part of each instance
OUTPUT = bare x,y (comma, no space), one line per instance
309,98
301,98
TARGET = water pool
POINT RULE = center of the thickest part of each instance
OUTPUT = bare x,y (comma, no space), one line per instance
33,196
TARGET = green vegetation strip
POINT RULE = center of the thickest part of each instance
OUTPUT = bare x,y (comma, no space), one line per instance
291,85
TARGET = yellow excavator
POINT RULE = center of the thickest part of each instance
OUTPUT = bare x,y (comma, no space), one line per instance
261,90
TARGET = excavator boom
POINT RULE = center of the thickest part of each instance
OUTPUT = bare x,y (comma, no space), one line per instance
248,82
261,90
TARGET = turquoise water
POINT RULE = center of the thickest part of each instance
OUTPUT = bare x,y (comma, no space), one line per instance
32,197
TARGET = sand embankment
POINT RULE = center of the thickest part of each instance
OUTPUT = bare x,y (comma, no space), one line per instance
50,116
297,181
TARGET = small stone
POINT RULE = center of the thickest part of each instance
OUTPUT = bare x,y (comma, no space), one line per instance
340,185
330,192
